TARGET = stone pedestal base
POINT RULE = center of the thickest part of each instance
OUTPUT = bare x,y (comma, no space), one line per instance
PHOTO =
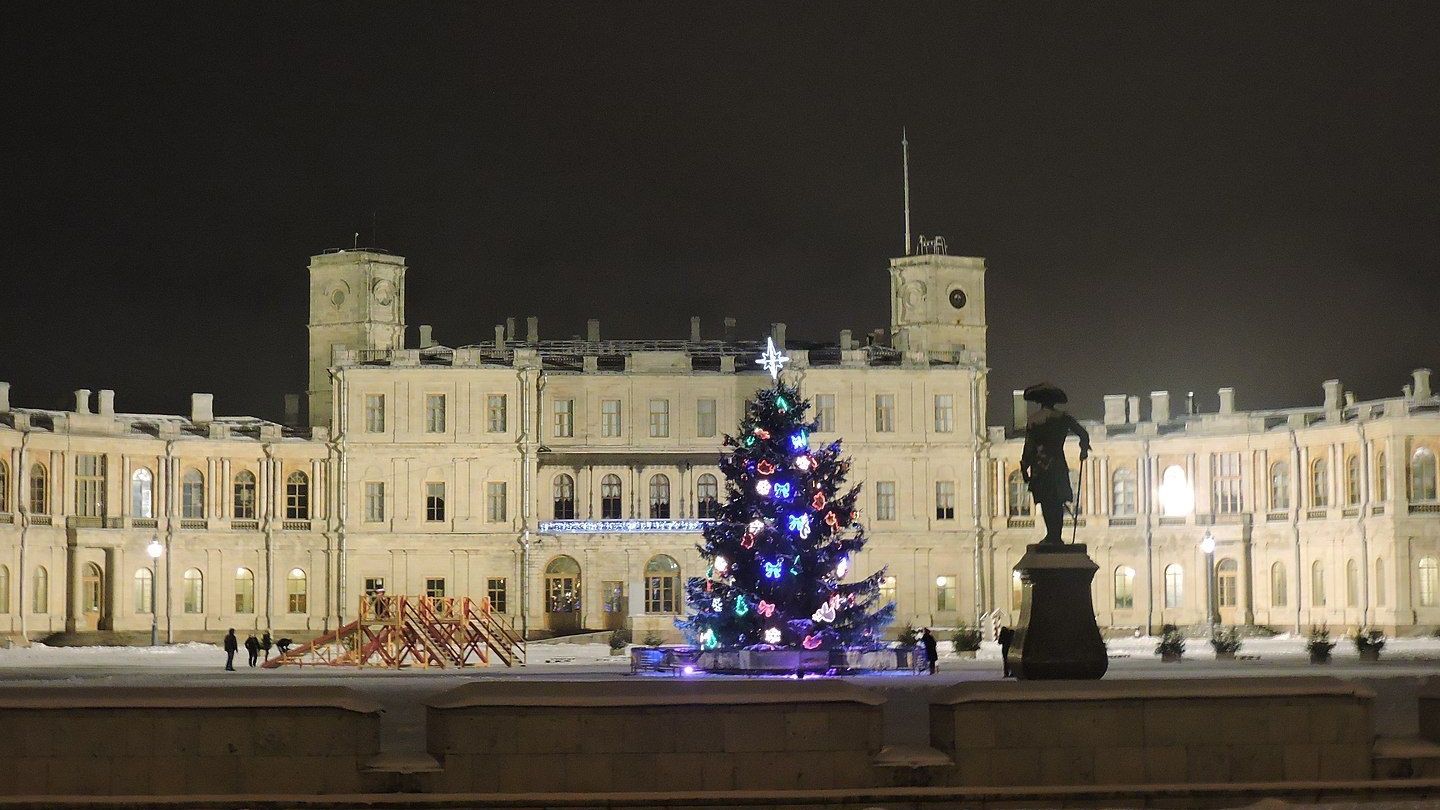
1057,637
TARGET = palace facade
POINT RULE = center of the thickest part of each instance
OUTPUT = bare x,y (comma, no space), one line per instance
566,481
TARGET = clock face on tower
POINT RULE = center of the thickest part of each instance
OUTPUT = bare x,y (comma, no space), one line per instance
957,298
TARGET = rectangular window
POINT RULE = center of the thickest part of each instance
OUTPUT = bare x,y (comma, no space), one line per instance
244,591
1124,588
1225,483
434,413
564,418
374,586
495,501
435,501
374,501
495,413
295,593
1174,586
944,413
705,418
884,413
824,413
374,413
659,418
945,593
89,485
143,584
612,593
660,594
887,591
944,500
495,591
610,418
885,500
435,587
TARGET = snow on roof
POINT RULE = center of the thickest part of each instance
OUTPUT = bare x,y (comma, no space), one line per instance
1025,691
651,693
185,697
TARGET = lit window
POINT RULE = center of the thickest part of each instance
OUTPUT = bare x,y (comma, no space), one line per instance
194,591
1122,492
1227,583
945,593
707,496
1425,581
1124,588
435,501
495,501
659,496
1019,495
885,500
374,501
192,495
662,581
295,591
564,418
1176,497
375,413
659,418
884,413
434,413
944,413
564,500
944,500
887,591
610,497
142,493
610,418
824,413
705,418
244,590
495,417
1174,585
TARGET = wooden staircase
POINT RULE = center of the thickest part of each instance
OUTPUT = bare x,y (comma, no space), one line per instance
407,631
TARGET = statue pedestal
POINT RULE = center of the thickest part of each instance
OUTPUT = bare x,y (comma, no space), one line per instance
1057,637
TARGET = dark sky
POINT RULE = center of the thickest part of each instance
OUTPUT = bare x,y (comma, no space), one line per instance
1177,196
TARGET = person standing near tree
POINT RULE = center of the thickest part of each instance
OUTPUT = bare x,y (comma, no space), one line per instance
932,652
231,647
1042,461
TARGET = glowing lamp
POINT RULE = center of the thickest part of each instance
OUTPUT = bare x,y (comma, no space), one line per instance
1207,543
762,488
772,636
1176,497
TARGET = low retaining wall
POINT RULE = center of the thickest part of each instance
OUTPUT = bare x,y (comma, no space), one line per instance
184,741
653,735
1429,695
1153,732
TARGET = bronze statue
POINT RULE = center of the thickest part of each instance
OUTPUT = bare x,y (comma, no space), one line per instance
1042,462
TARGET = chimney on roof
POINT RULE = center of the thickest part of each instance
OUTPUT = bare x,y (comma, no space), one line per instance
427,336
532,329
845,339
202,408
82,400
509,329
499,335
4,397
1114,409
694,328
292,410
1422,383
107,402
1132,409
1020,412
777,331
1190,402
1349,399
1332,395
729,328
1227,400
1159,406
592,330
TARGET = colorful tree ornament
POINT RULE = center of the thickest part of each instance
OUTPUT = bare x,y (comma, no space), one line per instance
773,636
765,468
812,642
803,463
781,490
773,569
765,608
762,487
740,607
799,440
818,502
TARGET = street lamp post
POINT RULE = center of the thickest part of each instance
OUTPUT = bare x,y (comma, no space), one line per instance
154,550
1207,545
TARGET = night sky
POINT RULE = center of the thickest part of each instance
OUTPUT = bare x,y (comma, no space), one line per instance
1176,196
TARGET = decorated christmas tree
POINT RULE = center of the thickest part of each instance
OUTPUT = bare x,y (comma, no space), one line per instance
780,552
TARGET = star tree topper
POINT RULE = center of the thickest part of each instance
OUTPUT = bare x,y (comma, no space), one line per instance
772,360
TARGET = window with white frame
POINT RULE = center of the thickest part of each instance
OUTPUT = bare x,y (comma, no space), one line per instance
564,418
1426,572
194,599
1122,492
1018,495
89,485
495,416
1227,583
1174,585
707,496
610,418
296,592
659,496
1225,488
564,497
434,413
435,501
244,590
824,413
1422,475
705,418
495,501
374,501
610,491
1279,486
297,496
1352,480
885,500
374,413
142,585
944,500
662,584
659,418
1279,587
945,593
1124,588
39,490
192,495
142,493
884,413
944,413
1319,484
243,495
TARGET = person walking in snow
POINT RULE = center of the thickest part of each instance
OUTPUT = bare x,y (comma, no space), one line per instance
252,646
265,644
231,646
931,648
1006,636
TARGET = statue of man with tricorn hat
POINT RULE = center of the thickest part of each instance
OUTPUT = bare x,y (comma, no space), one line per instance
1042,462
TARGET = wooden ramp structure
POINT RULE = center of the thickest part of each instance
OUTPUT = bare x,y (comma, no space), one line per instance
413,631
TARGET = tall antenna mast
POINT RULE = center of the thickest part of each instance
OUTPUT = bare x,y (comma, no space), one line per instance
905,160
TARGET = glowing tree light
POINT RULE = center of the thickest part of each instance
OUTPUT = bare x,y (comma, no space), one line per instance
784,540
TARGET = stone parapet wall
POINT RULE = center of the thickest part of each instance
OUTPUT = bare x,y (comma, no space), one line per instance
1154,732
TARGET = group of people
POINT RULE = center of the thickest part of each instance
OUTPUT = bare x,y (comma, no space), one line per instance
932,654
254,646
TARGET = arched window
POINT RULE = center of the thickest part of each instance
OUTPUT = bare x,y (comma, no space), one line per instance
194,591
142,493
244,590
1425,581
662,585
562,585
1352,583
659,496
1422,475
1352,480
1019,495
4,589
1124,588
1176,497
1317,584
1279,486
297,496
1279,588
244,501
1382,479
1227,583
610,497
4,487
192,495
40,599
1174,585
707,496
1380,582
142,589
1122,489
1319,484
39,492
564,491
295,591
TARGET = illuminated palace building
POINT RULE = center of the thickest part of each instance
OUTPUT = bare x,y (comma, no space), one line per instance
566,481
